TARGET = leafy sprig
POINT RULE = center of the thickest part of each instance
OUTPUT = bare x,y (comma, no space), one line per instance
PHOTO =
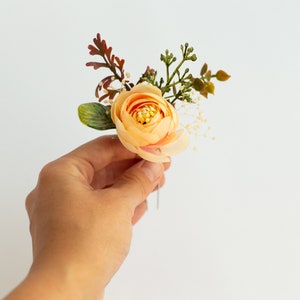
177,84
111,62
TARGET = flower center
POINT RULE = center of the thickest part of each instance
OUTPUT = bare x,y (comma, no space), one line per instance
145,114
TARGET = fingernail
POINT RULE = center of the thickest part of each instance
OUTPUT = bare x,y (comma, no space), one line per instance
152,170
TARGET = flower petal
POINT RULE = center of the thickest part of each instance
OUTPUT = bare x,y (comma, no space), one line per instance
155,139
169,146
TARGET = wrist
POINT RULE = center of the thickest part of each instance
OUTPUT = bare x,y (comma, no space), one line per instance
58,284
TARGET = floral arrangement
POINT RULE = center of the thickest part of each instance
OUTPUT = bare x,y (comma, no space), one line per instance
144,113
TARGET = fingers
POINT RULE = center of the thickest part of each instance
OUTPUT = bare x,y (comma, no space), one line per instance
102,161
104,150
138,182
101,151
97,154
108,175
167,164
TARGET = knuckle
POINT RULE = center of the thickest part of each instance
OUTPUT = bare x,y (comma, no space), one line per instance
51,171
48,172
28,203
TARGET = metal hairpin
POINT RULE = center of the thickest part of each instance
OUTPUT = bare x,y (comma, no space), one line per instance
157,196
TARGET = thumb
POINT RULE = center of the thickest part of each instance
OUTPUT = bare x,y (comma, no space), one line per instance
139,181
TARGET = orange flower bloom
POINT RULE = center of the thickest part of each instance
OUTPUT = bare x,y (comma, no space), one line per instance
147,124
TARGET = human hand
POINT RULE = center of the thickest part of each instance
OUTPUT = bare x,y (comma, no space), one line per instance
81,214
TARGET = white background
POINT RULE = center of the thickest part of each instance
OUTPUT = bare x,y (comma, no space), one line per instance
228,225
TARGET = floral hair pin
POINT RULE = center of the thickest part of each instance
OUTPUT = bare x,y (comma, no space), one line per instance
144,113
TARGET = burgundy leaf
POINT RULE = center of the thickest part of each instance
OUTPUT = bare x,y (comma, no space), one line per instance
112,94
103,97
106,82
120,62
112,61
93,50
98,88
103,46
108,54
97,41
109,61
97,65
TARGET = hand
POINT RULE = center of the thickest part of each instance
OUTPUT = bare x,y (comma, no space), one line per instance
81,214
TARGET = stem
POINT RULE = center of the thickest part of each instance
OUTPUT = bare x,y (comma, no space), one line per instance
204,78
173,101
173,74
174,83
117,76
169,79
168,72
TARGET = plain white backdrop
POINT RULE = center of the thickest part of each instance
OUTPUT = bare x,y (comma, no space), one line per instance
228,225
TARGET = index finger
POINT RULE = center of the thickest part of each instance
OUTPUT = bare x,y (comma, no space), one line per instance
100,152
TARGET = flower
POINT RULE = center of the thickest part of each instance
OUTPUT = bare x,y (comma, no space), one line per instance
143,112
147,124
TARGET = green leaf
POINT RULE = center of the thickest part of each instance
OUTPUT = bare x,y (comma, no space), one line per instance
210,88
208,75
204,69
198,84
222,75
95,115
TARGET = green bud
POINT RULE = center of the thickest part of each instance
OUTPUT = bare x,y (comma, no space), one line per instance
193,57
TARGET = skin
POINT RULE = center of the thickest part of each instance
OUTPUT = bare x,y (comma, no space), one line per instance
81,216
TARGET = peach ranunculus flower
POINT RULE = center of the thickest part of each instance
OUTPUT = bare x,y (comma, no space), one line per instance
147,124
